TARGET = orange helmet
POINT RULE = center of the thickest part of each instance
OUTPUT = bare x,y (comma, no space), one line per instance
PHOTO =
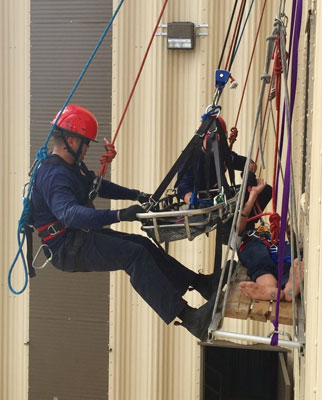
78,120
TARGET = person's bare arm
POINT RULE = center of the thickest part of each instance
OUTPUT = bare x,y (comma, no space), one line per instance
248,206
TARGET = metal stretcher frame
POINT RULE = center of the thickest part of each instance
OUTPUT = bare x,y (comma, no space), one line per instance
225,212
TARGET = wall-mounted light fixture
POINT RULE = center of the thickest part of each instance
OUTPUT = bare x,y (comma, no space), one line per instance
181,35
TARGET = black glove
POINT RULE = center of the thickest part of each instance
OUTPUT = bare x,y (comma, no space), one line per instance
129,214
143,197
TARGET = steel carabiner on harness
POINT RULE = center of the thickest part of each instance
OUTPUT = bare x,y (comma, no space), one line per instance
95,188
47,259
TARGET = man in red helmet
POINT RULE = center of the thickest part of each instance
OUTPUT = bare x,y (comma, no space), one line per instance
76,235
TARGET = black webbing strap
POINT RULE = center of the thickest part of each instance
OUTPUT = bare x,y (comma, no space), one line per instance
221,157
218,162
226,155
196,141
219,243
31,270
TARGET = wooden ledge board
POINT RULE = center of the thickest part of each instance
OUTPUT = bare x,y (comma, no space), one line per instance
240,306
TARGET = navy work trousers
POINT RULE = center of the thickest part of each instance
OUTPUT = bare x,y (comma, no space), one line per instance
256,257
159,279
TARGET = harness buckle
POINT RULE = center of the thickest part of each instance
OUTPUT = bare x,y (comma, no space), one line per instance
273,248
252,234
52,230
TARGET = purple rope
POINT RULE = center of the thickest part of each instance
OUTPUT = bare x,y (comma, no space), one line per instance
292,106
286,191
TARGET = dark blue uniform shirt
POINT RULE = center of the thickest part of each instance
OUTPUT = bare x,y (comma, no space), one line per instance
60,193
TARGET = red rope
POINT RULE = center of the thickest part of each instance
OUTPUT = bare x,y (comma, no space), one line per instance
234,131
106,158
277,68
274,220
139,73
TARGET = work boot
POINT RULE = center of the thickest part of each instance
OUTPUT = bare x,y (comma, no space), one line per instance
197,320
206,285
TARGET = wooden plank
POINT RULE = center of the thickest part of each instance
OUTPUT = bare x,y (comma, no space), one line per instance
260,310
242,307
285,312
238,305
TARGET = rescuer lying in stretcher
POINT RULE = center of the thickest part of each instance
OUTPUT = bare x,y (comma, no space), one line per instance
260,257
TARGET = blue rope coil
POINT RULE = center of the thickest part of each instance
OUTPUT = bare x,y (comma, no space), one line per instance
40,158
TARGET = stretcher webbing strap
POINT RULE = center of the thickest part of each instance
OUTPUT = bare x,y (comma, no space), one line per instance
182,160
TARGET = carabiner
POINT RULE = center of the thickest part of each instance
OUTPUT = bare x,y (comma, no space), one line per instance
47,260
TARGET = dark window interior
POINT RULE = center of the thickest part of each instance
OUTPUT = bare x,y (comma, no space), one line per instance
240,374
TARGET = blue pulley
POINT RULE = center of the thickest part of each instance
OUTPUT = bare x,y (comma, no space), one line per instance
221,78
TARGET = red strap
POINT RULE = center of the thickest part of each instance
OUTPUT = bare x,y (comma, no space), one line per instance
49,237
261,238
42,228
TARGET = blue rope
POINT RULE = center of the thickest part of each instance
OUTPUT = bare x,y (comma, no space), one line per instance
41,157
213,109
242,32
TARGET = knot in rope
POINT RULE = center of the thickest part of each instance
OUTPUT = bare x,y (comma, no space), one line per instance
233,135
277,67
106,158
274,220
42,153
25,215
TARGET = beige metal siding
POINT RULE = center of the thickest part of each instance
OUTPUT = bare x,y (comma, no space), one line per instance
313,364
150,360
14,156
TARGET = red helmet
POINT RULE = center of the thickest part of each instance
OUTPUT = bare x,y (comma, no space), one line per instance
78,120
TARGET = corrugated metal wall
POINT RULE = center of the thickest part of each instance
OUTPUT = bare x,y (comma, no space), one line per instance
14,156
150,360
313,361
69,313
